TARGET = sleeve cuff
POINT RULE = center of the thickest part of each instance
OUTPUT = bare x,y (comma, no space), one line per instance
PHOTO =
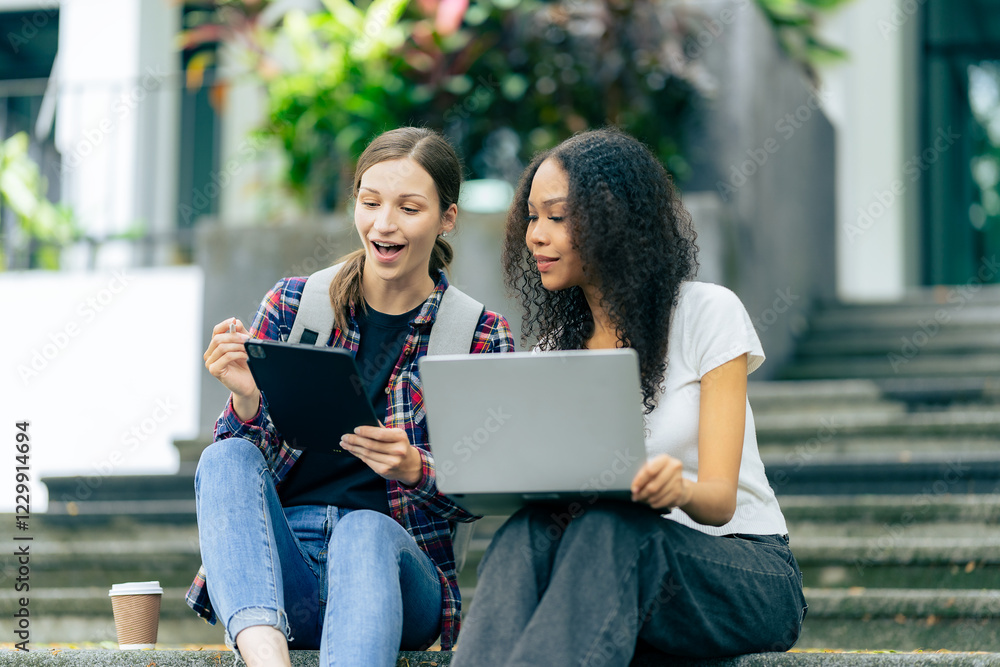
426,488
230,424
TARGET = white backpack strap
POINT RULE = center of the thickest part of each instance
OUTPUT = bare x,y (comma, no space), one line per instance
314,320
455,325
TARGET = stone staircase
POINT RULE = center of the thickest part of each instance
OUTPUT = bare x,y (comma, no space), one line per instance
882,442
889,477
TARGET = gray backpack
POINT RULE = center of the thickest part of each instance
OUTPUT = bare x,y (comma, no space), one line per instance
453,332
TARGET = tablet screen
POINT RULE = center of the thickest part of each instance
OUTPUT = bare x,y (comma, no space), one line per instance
314,394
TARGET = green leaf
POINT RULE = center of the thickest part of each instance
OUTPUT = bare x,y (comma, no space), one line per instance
345,14
379,20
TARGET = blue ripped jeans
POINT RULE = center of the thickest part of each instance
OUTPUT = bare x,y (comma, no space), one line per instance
619,578
353,584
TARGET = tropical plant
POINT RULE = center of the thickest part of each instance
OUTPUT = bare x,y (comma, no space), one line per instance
550,69
330,80
503,78
795,27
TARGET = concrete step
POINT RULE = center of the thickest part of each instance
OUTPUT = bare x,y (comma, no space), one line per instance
96,499
191,658
924,476
70,564
215,658
909,527
946,340
947,390
881,395
903,619
899,560
889,509
83,614
67,552
862,574
144,488
900,449
885,366
927,318
961,421
899,620
817,395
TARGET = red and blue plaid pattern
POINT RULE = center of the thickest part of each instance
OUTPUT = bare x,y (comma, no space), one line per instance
422,510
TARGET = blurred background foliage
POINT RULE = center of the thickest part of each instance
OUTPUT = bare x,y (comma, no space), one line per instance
41,228
795,27
502,78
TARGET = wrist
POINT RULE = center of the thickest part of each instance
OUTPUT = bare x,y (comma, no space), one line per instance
687,491
246,407
414,468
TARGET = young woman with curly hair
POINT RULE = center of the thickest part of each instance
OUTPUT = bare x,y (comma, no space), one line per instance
602,254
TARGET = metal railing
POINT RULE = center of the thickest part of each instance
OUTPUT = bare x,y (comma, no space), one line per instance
123,234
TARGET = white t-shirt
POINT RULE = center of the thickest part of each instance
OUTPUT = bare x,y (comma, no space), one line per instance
710,326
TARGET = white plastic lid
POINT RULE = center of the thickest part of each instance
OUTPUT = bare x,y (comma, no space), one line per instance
136,588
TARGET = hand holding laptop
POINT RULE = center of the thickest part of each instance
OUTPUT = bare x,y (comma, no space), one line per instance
659,483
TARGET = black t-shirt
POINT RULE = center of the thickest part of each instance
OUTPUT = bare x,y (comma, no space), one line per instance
340,478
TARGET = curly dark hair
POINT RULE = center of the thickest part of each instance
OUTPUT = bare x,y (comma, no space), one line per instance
634,238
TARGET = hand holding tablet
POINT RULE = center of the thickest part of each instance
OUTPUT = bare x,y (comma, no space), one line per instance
314,394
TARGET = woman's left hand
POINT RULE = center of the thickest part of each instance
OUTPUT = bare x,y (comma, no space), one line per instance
387,451
660,485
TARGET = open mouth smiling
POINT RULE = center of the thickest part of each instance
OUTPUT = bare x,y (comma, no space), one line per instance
386,250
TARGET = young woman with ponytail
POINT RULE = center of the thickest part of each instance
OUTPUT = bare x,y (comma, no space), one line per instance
356,559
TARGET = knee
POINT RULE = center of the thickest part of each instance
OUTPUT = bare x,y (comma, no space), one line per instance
613,520
532,532
365,533
232,458
601,516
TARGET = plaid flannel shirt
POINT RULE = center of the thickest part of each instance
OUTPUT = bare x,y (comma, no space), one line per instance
423,511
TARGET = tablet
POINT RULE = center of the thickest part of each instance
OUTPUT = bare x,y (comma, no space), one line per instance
314,394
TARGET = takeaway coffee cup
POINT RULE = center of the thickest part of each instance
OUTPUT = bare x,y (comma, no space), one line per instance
136,606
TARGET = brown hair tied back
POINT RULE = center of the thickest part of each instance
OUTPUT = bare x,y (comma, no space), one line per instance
435,155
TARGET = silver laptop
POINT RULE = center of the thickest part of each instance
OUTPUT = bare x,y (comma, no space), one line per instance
512,429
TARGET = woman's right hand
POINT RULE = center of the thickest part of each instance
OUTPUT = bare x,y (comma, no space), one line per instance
226,360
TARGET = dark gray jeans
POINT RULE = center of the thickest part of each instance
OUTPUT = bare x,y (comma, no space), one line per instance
556,590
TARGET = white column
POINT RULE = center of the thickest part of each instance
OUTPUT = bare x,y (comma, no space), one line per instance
242,160
96,127
158,150
117,119
870,101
